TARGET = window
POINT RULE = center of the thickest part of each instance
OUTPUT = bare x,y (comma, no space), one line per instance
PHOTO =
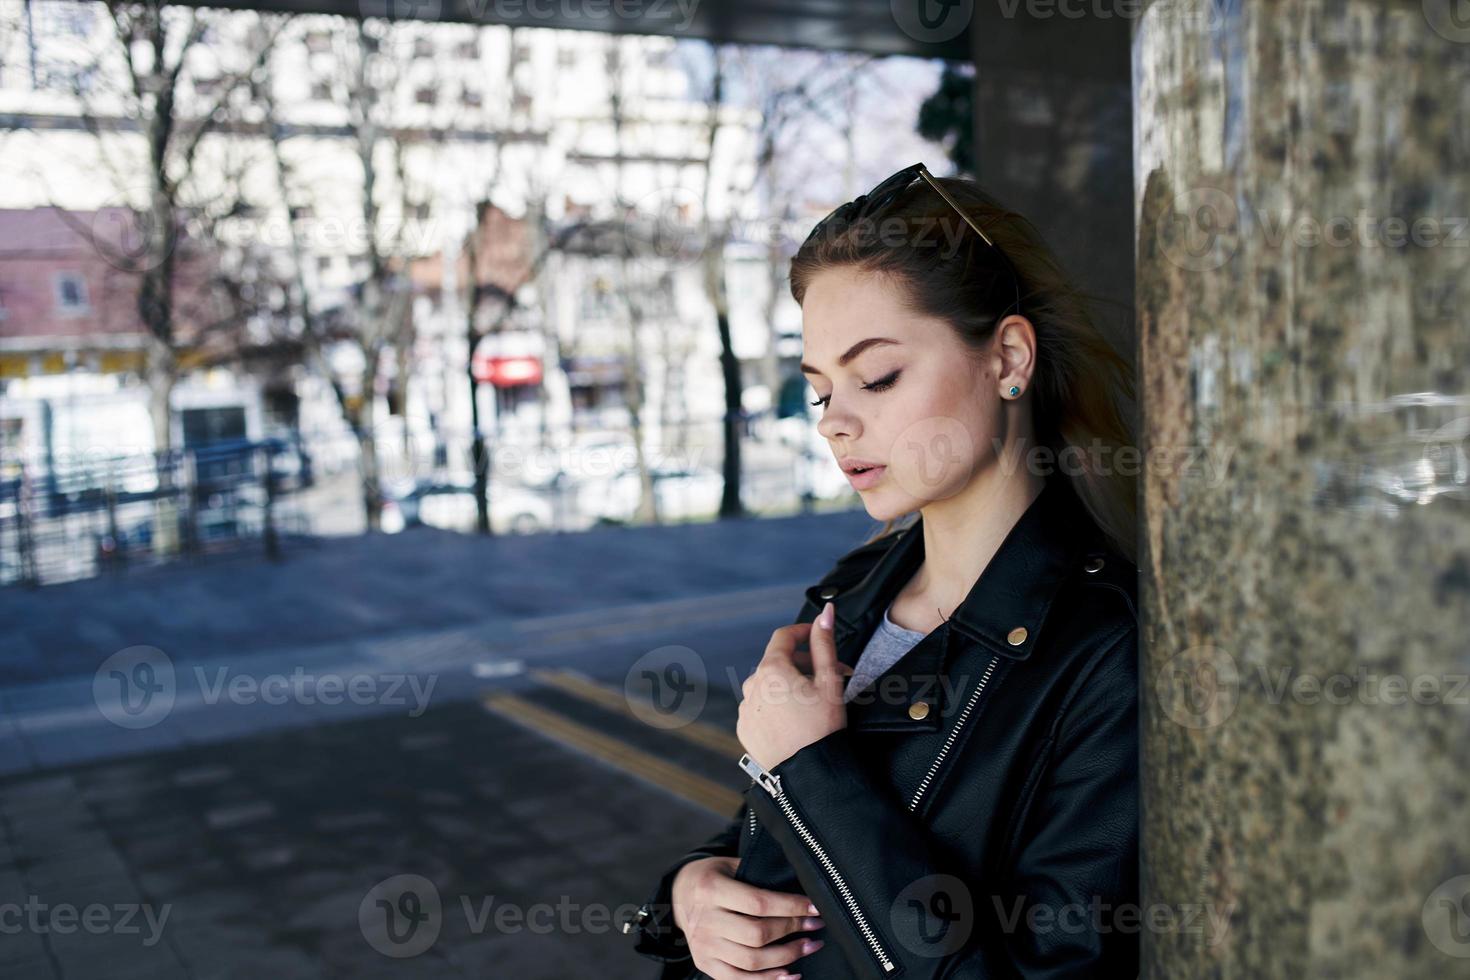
321,90
74,19
425,96
471,98
469,50
423,47
71,293
1030,107
324,263
598,300
318,41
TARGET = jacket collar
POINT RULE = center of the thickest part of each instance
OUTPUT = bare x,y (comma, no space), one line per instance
1014,592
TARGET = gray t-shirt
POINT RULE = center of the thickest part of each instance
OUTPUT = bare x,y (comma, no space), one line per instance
886,647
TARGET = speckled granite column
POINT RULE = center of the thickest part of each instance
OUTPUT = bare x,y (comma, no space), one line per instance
1302,178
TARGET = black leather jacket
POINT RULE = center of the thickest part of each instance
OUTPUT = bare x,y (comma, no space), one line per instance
978,817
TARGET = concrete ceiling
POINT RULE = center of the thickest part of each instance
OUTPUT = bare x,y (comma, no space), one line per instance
872,26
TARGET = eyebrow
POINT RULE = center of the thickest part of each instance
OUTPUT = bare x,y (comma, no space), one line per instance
852,352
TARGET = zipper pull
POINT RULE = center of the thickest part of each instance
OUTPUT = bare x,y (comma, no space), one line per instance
770,783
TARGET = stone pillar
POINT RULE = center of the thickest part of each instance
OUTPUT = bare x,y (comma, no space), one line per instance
1302,184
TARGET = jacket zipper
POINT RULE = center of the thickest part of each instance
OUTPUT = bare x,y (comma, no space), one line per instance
752,820
954,732
772,784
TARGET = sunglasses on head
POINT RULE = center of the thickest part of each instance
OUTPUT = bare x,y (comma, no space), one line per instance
869,204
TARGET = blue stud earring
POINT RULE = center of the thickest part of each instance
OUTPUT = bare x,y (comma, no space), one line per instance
1015,391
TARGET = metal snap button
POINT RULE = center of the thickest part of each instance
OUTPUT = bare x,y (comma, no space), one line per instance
1093,565
1016,636
919,710
829,592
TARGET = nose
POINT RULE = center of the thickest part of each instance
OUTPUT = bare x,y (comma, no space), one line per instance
838,423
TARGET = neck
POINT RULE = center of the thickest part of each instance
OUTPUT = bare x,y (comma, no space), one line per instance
963,532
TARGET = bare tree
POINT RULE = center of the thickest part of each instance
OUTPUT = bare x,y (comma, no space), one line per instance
377,322
156,48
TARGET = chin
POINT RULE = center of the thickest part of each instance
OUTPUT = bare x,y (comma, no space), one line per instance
881,507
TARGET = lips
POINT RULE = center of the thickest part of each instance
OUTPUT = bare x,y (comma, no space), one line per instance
867,477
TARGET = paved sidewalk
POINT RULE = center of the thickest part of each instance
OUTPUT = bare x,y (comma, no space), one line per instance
213,830
256,858
379,586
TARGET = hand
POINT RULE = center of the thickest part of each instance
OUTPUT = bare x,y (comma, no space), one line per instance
794,698
728,923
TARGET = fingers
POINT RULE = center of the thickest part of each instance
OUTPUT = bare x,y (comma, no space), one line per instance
734,935
753,932
719,970
823,647
784,640
803,660
753,962
737,896
758,931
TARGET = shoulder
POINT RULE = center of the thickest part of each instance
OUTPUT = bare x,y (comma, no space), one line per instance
1108,576
1096,644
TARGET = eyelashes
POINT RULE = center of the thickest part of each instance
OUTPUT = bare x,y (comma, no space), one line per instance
882,384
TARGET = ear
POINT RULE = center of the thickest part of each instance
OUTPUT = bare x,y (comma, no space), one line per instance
1014,353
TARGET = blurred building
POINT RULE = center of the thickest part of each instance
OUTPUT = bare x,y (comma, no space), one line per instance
555,127
72,341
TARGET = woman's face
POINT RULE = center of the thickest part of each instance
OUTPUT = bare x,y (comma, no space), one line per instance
925,407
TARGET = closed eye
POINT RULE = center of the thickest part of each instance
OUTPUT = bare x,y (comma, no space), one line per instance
882,384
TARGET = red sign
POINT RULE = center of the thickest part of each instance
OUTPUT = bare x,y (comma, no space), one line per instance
507,372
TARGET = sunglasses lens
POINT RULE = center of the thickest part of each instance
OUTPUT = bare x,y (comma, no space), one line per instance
882,195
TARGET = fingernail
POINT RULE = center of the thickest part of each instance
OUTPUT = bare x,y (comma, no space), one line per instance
812,922
789,976
812,909
811,946
825,619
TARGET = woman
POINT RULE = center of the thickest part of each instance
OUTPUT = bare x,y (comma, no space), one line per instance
945,783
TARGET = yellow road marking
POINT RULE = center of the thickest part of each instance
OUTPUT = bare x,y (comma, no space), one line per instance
579,685
696,789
